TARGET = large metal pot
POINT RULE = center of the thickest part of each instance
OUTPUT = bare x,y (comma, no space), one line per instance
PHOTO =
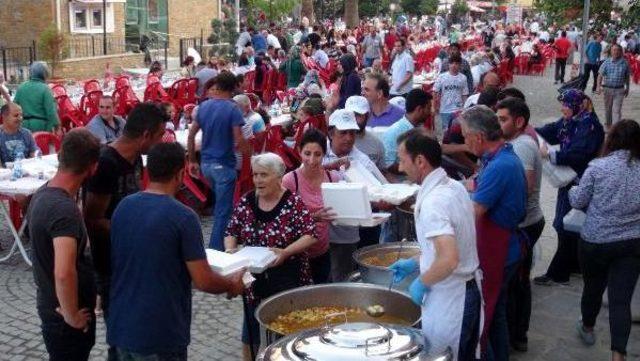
354,342
383,275
362,295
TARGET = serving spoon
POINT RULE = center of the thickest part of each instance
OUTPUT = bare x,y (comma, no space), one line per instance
376,311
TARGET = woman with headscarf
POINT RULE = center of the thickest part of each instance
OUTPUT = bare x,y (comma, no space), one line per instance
39,108
350,83
312,83
580,135
293,67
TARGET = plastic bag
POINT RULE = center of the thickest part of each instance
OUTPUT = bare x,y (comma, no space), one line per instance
574,220
558,175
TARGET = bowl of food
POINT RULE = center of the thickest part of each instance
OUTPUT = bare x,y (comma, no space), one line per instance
374,261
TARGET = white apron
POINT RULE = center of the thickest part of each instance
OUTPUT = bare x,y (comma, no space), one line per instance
443,307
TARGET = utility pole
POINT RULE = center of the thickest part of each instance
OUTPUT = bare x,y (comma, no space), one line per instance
104,27
585,33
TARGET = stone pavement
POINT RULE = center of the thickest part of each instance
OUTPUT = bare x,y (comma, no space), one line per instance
216,322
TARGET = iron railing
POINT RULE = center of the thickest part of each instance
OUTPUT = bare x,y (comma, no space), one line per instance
16,61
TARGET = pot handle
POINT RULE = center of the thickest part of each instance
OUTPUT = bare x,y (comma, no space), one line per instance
377,340
328,318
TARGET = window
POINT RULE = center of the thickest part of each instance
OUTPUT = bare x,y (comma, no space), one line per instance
132,12
96,19
153,11
80,19
88,18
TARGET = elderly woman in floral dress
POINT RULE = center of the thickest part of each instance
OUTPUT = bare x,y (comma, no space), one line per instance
271,216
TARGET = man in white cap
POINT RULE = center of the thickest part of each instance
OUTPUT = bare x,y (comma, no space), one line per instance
366,142
341,152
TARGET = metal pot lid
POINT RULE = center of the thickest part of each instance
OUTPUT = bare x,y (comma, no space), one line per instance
350,341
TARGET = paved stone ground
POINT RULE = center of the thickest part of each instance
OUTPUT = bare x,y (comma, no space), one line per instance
216,322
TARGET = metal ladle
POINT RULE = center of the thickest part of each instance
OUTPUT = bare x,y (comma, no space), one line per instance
376,311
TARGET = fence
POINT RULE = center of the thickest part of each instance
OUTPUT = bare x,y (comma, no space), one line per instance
90,46
204,49
16,61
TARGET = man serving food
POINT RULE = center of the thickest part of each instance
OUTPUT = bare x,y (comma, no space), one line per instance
448,285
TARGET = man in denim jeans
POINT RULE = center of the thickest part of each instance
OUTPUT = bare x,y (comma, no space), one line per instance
221,122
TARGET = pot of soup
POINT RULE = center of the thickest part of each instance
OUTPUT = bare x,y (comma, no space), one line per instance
374,261
310,307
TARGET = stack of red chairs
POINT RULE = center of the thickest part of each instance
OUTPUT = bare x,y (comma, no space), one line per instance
124,99
521,63
57,90
505,73
269,87
89,104
122,80
70,116
318,122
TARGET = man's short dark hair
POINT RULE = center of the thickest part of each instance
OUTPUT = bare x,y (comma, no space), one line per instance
416,98
517,108
511,93
402,41
454,45
418,142
563,34
145,117
382,83
455,59
226,81
164,161
488,97
79,151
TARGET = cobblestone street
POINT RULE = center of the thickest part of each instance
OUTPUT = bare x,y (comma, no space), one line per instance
216,325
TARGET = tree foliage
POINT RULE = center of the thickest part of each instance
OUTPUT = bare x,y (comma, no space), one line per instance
564,11
223,33
51,47
632,17
459,9
274,10
420,7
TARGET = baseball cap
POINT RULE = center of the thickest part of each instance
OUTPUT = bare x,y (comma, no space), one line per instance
343,119
357,104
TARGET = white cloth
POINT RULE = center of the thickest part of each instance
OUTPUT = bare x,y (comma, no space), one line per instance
443,207
273,41
402,64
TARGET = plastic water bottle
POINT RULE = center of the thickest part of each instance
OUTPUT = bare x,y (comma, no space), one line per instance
276,106
182,125
38,156
17,167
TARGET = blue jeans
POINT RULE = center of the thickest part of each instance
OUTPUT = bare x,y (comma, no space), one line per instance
470,323
368,62
446,119
223,182
498,348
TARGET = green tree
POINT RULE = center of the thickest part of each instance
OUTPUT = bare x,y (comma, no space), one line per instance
632,16
52,47
564,11
420,7
273,9
458,10
223,34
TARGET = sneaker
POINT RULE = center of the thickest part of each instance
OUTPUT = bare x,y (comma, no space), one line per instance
545,280
587,337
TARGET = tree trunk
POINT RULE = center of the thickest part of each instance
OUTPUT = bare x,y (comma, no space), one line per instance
307,10
351,13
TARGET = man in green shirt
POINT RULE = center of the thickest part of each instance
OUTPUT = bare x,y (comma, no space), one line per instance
37,102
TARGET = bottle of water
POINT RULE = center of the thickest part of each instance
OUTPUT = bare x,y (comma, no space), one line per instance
182,125
17,167
38,156
276,105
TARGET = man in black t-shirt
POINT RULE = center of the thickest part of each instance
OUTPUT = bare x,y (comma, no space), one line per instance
119,174
62,271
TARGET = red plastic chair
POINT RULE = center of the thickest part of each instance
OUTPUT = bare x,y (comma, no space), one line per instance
90,105
124,99
281,95
317,121
70,116
169,136
155,93
122,80
151,79
244,183
522,64
179,93
192,97
249,79
91,85
46,141
254,99
58,90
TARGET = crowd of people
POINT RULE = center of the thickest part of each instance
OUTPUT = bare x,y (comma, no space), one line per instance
477,213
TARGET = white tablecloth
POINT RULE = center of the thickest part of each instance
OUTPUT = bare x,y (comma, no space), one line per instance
283,120
182,135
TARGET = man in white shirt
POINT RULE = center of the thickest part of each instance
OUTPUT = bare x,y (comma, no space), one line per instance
272,40
243,40
448,287
340,153
451,89
401,70
544,35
